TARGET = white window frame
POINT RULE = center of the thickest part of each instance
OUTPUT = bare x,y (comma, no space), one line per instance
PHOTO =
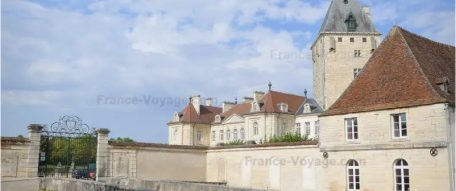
317,128
402,167
221,135
255,128
356,72
235,134
242,132
228,135
351,179
353,132
298,128
214,136
199,136
307,126
400,121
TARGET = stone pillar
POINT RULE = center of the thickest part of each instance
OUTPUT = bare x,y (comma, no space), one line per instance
33,154
102,154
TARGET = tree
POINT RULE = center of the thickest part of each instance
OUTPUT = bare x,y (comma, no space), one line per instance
122,140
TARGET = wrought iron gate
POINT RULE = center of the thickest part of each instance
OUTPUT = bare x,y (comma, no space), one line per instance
68,149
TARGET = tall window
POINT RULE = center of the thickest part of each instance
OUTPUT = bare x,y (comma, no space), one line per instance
317,128
351,126
399,125
353,176
351,23
242,133
235,135
298,128
255,128
221,135
228,135
401,175
356,72
198,136
175,135
307,128
213,135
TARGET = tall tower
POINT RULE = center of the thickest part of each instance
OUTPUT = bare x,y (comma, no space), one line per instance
346,41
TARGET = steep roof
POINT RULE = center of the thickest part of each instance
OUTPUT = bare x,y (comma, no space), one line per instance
239,109
403,72
206,116
338,13
273,98
314,107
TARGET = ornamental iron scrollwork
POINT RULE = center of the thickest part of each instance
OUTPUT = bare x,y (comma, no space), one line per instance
69,126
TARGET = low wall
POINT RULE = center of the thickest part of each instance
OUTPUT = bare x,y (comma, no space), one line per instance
14,156
55,184
156,162
20,184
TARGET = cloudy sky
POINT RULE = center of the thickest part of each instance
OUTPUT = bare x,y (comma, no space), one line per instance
94,58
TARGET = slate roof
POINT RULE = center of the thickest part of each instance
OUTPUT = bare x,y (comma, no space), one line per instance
314,107
403,72
338,13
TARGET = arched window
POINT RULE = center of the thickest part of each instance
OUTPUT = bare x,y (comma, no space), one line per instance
235,135
401,175
353,176
242,133
255,128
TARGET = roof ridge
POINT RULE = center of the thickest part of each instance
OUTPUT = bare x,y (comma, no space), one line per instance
423,37
417,63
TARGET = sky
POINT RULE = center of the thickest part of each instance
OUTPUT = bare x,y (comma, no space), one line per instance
127,65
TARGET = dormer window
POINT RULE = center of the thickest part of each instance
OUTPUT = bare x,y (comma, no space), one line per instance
351,23
443,84
346,1
307,108
283,107
176,117
255,106
218,119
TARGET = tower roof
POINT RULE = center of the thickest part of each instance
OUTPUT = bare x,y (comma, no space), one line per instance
406,70
339,14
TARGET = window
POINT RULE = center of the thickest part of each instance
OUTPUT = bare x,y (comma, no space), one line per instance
364,39
307,128
175,135
353,176
198,136
352,39
307,108
346,1
356,72
283,107
218,119
332,47
235,135
351,126
298,128
221,135
213,136
357,53
401,176
339,39
228,135
317,129
399,125
242,133
255,128
351,23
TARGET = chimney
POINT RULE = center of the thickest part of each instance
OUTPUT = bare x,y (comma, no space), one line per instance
227,106
195,100
257,96
366,11
248,100
209,102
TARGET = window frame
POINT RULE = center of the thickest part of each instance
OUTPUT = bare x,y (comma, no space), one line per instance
307,126
402,168
317,128
353,127
228,135
356,72
400,126
242,133
199,136
221,135
351,179
298,128
214,136
255,128
235,134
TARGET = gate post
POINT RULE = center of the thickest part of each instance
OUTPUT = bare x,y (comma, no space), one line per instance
33,154
102,154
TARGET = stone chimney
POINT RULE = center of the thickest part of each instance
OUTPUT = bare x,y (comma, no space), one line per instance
195,100
257,96
366,11
209,102
227,106
248,100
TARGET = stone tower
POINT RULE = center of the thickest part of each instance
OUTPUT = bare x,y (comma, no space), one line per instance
346,41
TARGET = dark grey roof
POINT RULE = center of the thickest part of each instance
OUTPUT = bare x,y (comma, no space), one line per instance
338,12
314,107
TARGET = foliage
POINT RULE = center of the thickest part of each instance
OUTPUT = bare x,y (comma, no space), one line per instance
236,142
81,150
122,140
288,138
